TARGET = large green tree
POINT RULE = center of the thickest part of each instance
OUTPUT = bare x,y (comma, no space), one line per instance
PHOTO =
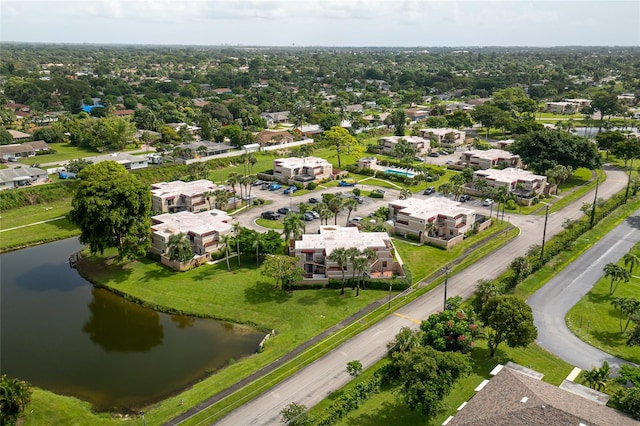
341,142
179,248
283,269
545,149
509,319
15,394
449,331
112,208
426,376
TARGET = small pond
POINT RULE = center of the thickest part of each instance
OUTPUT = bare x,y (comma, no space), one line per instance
62,334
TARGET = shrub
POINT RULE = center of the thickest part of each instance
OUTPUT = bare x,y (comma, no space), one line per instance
311,186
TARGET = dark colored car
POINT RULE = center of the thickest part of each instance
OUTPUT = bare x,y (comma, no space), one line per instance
434,154
284,210
270,215
308,217
314,200
464,198
430,190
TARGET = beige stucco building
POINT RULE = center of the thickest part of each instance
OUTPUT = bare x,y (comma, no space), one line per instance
445,136
490,158
510,178
302,169
313,251
419,144
450,220
203,229
177,196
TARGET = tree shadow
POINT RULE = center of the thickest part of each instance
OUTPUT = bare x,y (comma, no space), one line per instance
158,274
609,338
393,412
308,300
633,221
95,266
600,298
264,292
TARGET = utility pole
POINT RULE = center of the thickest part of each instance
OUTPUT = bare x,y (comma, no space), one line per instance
626,193
544,233
446,271
593,208
390,285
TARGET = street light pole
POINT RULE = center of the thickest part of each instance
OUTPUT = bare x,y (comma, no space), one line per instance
593,208
446,271
390,284
544,233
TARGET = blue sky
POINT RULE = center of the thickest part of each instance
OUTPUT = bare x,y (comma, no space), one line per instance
324,22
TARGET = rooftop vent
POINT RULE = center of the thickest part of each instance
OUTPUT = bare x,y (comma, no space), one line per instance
524,399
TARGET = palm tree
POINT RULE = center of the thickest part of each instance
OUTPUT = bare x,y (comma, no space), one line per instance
350,204
222,196
405,193
520,267
179,248
371,256
360,265
226,240
201,150
339,256
294,226
236,233
631,260
258,243
597,378
232,180
208,196
15,395
617,274
431,228
323,211
335,205
406,340
352,254
252,162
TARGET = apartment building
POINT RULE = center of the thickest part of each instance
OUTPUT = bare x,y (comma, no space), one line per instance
389,143
313,252
431,219
304,169
177,196
204,230
446,137
490,158
511,177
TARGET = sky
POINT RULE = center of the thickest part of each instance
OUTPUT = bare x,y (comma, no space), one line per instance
407,23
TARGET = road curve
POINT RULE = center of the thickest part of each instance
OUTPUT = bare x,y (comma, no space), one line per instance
327,374
551,303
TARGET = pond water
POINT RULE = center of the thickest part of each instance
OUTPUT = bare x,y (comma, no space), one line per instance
62,334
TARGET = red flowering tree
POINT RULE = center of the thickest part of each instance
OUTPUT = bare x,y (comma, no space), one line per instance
450,331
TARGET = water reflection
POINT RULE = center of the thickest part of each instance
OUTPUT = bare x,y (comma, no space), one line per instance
122,327
183,321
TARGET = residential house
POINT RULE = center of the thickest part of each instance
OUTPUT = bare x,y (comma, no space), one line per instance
130,162
193,130
204,230
20,110
368,163
223,91
389,143
270,137
444,136
302,169
124,112
562,107
490,158
627,98
580,103
22,150
19,177
505,143
19,136
412,217
273,118
355,108
177,196
417,114
517,396
313,252
206,148
308,130
512,178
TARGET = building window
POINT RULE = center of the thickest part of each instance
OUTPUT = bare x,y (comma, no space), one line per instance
384,263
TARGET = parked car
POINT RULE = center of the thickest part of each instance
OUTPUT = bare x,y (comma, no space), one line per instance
356,219
290,190
434,154
449,162
257,183
430,190
308,217
66,175
464,198
487,202
284,210
270,215
347,182
314,213
358,198
420,159
443,153
265,186
274,187
249,197
314,200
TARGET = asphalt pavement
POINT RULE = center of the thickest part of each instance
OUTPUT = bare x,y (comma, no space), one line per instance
313,383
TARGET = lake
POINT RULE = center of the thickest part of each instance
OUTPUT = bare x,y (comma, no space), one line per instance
62,334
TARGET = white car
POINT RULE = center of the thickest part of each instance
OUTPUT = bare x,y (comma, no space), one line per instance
487,202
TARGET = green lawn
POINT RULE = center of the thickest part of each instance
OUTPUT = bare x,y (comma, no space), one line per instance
64,152
271,224
414,255
595,321
384,408
242,296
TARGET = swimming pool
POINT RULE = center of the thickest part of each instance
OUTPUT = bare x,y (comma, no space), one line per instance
399,172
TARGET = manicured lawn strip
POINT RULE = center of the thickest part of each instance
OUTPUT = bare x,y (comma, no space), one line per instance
64,152
565,200
37,234
560,116
595,321
30,214
385,409
271,224
535,281
416,256
265,162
